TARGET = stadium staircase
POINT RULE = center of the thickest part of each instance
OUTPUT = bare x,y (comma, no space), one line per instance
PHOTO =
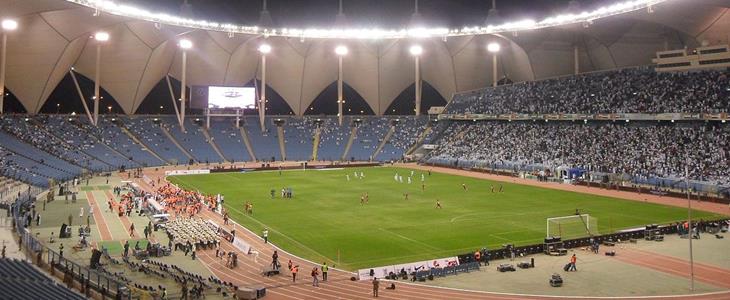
420,139
247,142
353,134
212,143
175,141
315,143
282,143
139,142
385,140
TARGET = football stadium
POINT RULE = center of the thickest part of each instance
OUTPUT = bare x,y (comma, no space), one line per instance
354,149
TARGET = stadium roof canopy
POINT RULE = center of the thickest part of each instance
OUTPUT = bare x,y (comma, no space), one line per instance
54,36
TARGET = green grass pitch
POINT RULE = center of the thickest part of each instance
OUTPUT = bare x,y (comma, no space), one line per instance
326,222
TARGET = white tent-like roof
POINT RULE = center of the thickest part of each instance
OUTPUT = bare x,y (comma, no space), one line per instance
54,36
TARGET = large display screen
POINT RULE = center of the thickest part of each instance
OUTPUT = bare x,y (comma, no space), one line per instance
231,97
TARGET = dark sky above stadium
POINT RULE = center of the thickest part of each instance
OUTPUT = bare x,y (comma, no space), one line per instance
366,13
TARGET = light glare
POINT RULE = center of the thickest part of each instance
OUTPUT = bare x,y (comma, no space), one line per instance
101,36
416,50
493,47
10,25
185,44
265,48
341,50
368,33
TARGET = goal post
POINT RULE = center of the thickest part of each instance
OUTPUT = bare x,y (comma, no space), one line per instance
572,227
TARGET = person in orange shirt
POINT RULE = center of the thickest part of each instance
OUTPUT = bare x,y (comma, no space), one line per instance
573,259
294,271
478,257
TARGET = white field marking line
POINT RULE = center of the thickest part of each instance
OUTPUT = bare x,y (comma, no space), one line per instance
277,247
330,169
562,297
289,238
410,239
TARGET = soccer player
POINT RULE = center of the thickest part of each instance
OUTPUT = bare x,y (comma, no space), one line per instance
409,180
423,187
362,199
438,204
492,188
405,195
463,186
501,188
348,177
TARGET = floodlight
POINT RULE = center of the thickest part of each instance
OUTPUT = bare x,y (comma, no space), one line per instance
185,44
265,48
10,25
416,50
101,36
341,50
493,47
127,10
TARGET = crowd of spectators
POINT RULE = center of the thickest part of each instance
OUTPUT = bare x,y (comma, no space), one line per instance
28,131
635,90
407,131
298,136
636,149
12,170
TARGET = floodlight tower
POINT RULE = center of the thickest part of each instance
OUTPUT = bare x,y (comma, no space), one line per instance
494,48
101,37
341,51
185,45
264,49
417,51
8,26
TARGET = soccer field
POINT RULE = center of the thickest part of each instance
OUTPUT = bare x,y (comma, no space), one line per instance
326,222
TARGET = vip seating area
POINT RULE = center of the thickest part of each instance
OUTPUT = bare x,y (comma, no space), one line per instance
21,280
641,150
634,90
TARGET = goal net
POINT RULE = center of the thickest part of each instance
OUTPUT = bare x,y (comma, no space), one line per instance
572,227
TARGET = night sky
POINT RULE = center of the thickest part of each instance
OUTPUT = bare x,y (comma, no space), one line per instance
365,13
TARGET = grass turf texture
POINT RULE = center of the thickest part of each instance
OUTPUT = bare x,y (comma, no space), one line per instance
325,216
116,248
